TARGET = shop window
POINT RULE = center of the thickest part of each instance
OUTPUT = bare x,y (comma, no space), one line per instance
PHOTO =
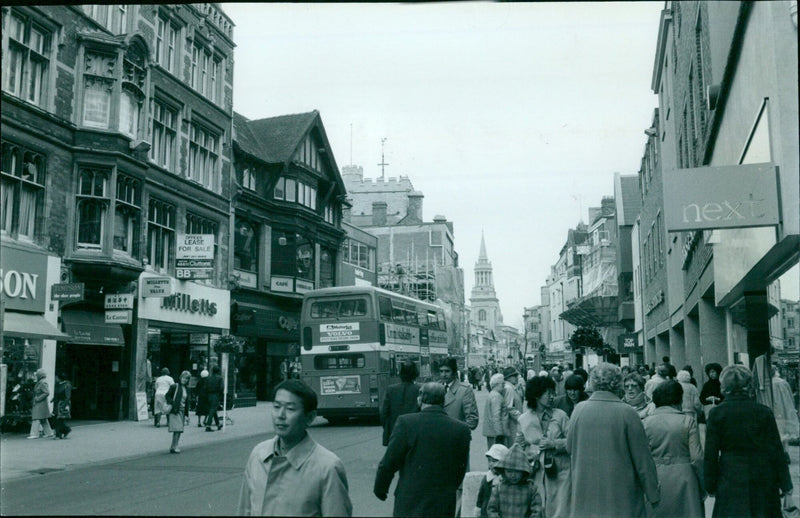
327,260
292,255
21,191
26,63
127,213
93,202
160,234
22,359
163,128
245,246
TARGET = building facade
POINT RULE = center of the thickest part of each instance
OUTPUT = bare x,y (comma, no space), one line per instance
726,79
116,128
288,239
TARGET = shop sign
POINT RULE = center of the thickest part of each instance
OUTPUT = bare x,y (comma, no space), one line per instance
287,323
195,246
192,304
198,338
67,291
119,316
119,301
333,385
246,279
706,198
22,280
627,342
345,332
156,287
302,286
283,284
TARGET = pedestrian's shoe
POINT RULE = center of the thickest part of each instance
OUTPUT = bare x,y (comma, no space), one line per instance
51,436
33,437
64,435
219,427
174,450
209,429
199,425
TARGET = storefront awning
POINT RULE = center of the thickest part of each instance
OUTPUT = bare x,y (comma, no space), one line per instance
30,325
90,328
594,311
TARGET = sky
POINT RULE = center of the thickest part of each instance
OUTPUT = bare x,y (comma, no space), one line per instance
511,118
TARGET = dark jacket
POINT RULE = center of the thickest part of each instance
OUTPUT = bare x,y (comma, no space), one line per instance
744,461
711,388
430,450
176,398
565,403
202,396
401,398
214,389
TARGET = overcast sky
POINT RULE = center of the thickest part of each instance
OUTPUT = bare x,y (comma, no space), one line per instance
511,118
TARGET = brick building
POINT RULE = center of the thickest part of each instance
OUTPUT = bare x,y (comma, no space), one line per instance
726,78
116,128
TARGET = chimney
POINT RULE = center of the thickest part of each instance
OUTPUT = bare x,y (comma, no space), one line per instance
414,212
379,213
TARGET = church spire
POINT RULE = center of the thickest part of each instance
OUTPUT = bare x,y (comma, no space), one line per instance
482,257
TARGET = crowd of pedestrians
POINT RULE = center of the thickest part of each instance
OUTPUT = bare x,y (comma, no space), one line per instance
624,442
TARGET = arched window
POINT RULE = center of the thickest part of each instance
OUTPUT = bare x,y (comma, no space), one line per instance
482,315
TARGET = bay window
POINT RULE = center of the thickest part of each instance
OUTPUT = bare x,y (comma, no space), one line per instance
22,186
27,63
160,234
92,206
289,189
127,211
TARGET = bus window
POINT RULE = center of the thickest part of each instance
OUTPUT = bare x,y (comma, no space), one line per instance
432,321
385,304
422,317
398,313
341,361
324,309
353,308
411,314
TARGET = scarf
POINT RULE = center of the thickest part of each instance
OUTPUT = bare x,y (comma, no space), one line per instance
638,402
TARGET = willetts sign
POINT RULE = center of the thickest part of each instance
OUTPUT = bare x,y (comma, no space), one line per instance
706,198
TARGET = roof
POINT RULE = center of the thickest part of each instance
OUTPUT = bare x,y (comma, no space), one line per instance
245,138
277,138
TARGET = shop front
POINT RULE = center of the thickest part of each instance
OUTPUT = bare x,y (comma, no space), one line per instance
270,327
178,325
28,326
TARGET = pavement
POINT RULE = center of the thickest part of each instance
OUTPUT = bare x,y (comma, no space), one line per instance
113,441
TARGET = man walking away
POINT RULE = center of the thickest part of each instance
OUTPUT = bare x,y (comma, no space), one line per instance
430,450
401,398
290,474
214,389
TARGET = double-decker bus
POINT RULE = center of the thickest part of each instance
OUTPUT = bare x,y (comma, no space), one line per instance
354,340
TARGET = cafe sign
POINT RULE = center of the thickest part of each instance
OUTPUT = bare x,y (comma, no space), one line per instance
706,198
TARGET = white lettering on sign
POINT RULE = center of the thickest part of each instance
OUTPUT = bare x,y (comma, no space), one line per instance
18,284
345,332
724,211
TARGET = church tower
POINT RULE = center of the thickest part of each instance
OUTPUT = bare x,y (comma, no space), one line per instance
483,299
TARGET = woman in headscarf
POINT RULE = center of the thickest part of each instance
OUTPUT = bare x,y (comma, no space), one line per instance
691,398
745,467
675,446
177,399
40,413
495,412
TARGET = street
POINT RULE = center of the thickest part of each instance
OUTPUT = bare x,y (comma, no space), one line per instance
202,481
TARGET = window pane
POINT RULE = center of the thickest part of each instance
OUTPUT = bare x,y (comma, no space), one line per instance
90,220
96,103
290,190
7,196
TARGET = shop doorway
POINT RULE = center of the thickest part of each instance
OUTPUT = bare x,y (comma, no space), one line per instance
95,374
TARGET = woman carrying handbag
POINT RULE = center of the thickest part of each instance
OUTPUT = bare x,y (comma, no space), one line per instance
177,398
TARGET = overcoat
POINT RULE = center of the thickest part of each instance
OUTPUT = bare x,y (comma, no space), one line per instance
430,450
401,398
460,404
495,415
744,461
41,408
675,445
610,462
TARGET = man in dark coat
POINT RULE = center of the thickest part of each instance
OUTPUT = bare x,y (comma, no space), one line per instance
430,450
401,398
214,389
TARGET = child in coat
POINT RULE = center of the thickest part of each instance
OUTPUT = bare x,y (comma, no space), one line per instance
495,455
515,495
